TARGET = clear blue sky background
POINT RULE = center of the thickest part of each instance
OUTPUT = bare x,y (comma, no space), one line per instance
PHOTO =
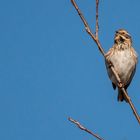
51,69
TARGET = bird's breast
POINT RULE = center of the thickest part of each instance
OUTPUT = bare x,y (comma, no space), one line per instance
124,64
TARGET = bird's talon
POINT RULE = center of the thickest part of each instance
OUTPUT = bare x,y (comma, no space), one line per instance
120,85
110,64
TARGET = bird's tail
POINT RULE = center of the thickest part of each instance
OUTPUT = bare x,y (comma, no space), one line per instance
121,97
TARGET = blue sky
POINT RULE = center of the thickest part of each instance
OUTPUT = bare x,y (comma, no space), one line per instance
51,69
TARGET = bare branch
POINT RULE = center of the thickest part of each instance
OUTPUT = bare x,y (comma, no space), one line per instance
131,105
88,30
84,129
96,40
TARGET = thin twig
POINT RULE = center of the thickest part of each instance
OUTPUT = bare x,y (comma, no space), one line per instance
84,129
97,24
96,39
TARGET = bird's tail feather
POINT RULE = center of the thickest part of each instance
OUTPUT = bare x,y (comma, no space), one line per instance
121,97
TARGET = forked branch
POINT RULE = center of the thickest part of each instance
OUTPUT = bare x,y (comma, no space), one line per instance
88,30
96,40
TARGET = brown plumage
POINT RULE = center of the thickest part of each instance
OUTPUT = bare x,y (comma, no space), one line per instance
124,59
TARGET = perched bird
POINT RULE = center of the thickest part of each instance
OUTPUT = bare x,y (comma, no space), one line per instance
123,57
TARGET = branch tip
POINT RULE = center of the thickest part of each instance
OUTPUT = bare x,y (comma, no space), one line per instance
84,129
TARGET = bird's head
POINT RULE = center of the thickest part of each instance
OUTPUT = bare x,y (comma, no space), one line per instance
122,36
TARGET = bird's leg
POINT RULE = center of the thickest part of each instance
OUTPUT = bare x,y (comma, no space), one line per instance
120,85
110,64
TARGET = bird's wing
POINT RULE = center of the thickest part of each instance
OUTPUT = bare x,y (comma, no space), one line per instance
131,77
135,57
114,86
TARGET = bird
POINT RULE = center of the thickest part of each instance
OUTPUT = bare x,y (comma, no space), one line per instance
123,58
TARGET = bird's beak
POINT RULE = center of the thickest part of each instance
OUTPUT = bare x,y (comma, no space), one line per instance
128,35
